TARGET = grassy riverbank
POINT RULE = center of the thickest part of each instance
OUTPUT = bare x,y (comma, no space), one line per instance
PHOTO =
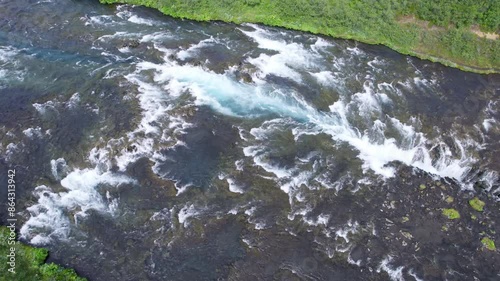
440,31
29,263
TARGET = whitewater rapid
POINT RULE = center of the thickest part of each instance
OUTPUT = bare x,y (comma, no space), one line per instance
359,119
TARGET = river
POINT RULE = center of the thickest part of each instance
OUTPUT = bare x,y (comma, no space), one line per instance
153,148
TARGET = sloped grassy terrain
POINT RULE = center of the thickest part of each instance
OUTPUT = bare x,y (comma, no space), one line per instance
437,30
30,263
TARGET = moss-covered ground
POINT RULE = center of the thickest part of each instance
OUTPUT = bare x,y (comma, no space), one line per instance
29,262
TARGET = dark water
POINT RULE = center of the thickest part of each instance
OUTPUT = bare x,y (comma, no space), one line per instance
150,148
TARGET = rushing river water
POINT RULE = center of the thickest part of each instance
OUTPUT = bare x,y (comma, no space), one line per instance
151,148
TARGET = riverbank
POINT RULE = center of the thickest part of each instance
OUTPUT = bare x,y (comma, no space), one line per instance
22,262
377,24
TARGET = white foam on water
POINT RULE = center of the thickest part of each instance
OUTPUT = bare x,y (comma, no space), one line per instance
377,152
162,215
290,56
124,50
233,187
410,148
375,155
414,275
11,149
102,20
195,48
255,152
320,45
43,107
396,274
10,68
138,20
292,184
73,101
376,64
322,219
489,123
339,63
349,228
33,132
119,35
124,12
156,37
180,188
489,180
58,165
230,97
325,78
156,129
187,212
233,98
49,216
247,242
7,53
492,106
423,83
369,101
239,165
251,211
355,51
51,220
224,94
258,225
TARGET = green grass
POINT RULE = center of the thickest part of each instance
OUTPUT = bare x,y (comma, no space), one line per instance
374,22
451,214
30,263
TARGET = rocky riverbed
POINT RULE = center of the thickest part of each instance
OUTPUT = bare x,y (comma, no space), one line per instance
151,148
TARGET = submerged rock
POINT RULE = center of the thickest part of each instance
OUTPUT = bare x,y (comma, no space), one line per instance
477,204
246,77
488,244
452,214
131,44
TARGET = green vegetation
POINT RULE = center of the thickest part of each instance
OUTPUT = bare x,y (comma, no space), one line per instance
477,204
422,187
461,13
452,214
29,262
439,30
488,243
